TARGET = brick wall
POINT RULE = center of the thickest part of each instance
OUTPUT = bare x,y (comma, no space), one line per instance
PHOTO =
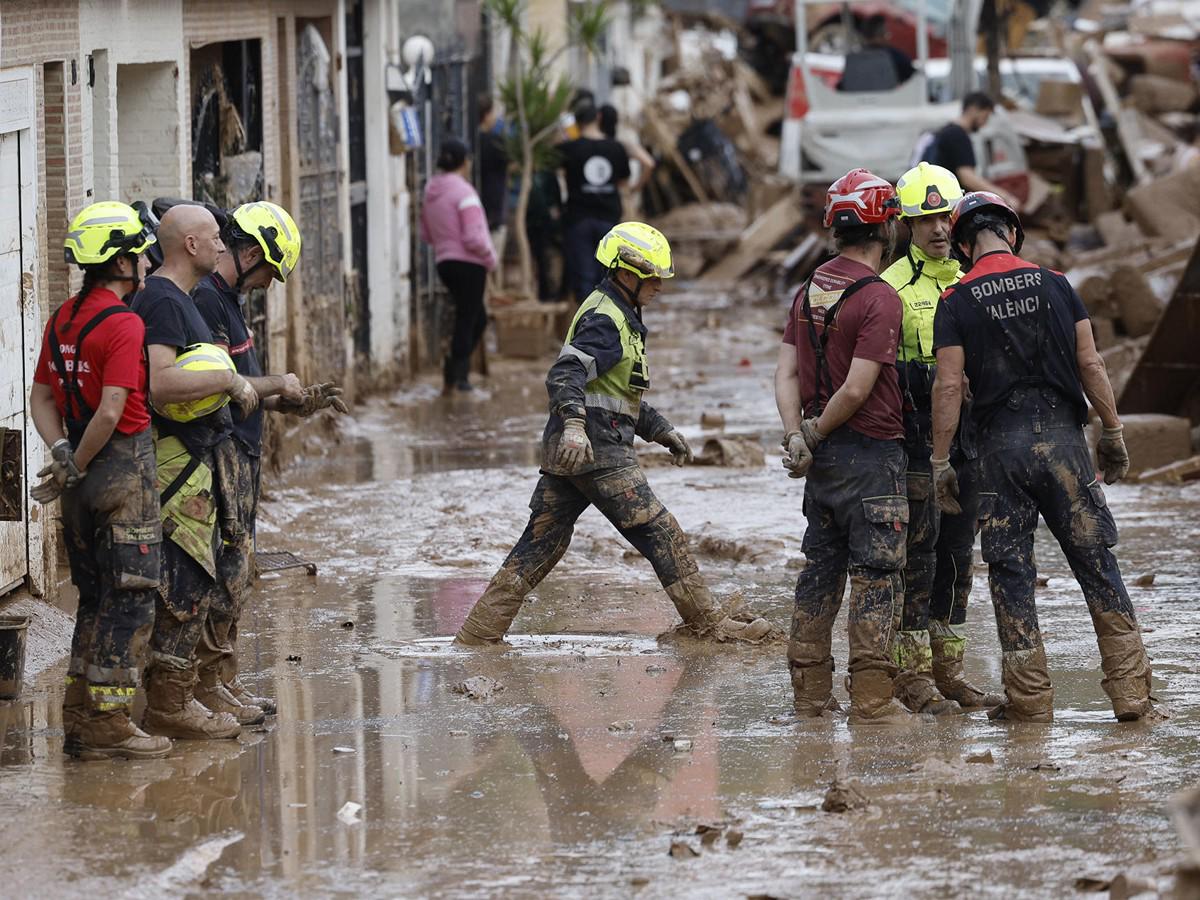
148,130
54,178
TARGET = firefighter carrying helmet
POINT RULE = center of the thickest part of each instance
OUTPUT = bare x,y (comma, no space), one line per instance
198,358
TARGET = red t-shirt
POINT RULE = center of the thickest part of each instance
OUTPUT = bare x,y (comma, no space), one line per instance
867,327
113,355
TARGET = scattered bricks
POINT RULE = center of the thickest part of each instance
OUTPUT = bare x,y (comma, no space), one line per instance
1154,440
1154,94
1138,306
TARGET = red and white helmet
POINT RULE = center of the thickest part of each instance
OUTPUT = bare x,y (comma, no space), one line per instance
860,198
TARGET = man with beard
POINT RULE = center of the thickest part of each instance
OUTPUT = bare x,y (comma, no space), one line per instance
950,147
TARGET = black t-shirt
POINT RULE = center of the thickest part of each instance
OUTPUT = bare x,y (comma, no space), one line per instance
172,319
593,168
951,148
1003,353
493,177
222,308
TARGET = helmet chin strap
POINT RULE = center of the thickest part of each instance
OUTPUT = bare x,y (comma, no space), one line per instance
243,274
632,295
131,277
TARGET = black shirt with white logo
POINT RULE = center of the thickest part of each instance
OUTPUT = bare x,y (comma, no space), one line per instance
1016,324
173,320
224,311
593,168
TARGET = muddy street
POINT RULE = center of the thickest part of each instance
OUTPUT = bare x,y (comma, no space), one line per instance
603,760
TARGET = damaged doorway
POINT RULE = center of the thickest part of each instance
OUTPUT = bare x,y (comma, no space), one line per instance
227,142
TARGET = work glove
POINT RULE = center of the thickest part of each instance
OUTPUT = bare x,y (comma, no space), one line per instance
61,473
797,458
945,486
1112,454
574,448
681,453
243,394
315,398
812,436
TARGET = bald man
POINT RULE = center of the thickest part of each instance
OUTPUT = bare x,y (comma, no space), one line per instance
189,477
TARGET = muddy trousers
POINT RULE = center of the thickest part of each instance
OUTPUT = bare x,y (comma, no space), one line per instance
113,538
624,498
911,648
217,648
857,512
1037,462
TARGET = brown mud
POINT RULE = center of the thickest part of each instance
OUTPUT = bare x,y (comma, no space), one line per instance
531,791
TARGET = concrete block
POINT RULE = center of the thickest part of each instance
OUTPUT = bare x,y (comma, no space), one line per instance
1138,305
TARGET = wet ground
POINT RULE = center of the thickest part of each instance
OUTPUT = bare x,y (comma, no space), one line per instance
606,746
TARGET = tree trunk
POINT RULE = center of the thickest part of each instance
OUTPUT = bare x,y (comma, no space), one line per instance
526,285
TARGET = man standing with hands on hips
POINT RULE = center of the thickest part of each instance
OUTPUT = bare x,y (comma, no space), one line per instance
1022,337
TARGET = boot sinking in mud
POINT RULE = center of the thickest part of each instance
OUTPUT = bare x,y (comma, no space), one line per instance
1126,669
914,685
1029,694
872,701
948,648
812,682
704,618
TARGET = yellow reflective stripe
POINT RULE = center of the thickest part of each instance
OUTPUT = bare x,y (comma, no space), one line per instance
108,697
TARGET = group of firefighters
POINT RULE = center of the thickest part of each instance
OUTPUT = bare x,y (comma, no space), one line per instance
157,475
922,403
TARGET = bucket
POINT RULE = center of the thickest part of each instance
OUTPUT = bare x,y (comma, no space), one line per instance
12,655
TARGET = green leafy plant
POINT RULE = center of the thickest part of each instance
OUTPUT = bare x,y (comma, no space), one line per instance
538,97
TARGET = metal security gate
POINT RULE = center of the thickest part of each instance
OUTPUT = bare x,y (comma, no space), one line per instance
321,268
20,448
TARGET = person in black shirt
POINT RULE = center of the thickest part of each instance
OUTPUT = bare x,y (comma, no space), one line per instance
1022,337
493,178
596,168
951,147
220,298
191,245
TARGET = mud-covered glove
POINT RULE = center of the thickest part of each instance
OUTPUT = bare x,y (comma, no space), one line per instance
61,473
574,448
1112,454
797,458
243,394
315,398
812,436
945,485
681,453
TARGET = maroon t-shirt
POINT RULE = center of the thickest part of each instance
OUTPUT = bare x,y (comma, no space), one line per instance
867,326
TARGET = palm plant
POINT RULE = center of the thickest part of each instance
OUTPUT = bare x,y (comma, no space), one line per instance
539,97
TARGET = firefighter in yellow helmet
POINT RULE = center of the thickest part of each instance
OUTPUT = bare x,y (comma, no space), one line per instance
929,643
263,245
89,405
596,409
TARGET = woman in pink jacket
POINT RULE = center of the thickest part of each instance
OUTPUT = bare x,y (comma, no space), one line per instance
453,221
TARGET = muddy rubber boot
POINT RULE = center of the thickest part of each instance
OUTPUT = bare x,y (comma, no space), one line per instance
705,618
106,731
172,710
493,613
872,701
754,631
212,693
948,648
74,709
913,685
1029,693
812,682
1126,669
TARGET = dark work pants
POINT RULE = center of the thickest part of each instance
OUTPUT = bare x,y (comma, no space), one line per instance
956,548
855,504
465,281
582,237
923,523
624,498
541,247
113,538
1035,460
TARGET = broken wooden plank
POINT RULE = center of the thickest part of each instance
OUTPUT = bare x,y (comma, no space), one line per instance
758,239
667,144
1174,473
1112,101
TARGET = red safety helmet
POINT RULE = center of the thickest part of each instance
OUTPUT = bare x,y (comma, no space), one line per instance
860,198
976,201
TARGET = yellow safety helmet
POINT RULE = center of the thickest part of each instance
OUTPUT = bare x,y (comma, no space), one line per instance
273,229
638,247
198,358
104,230
927,189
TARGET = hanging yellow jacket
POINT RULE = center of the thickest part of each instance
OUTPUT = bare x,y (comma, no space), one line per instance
189,509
